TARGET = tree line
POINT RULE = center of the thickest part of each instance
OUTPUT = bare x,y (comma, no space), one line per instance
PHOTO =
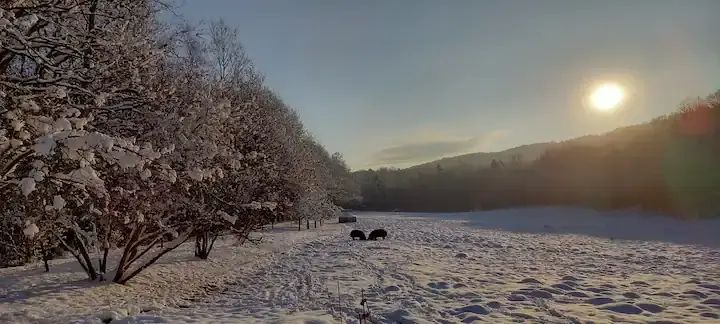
120,131
670,164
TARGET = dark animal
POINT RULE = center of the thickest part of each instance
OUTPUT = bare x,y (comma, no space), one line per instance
357,234
377,233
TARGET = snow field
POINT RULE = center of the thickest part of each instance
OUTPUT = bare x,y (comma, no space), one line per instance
428,270
441,271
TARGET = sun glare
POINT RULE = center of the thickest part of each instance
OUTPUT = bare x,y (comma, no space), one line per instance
607,97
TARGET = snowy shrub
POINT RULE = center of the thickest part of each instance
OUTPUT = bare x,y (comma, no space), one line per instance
76,91
116,132
53,67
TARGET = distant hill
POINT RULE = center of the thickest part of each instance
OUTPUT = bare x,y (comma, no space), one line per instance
528,152
531,152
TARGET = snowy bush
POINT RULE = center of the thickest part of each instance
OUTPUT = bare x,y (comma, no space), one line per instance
116,132
80,130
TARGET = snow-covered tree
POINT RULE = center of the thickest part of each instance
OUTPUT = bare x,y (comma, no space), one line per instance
220,139
119,133
69,71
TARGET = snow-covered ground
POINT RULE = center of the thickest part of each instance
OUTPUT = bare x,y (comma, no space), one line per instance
431,269
29,295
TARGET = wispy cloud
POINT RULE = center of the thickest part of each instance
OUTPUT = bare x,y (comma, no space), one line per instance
428,150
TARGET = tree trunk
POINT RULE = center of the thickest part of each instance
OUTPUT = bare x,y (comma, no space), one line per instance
29,251
197,245
299,222
308,223
125,260
45,256
122,278
103,263
204,244
83,252
86,267
315,224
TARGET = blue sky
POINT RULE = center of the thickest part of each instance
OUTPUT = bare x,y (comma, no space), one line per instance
400,82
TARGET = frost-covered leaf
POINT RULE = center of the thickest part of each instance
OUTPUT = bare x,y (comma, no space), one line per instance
45,145
145,174
58,202
27,186
31,230
227,217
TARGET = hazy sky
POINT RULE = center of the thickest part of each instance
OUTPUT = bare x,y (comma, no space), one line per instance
399,82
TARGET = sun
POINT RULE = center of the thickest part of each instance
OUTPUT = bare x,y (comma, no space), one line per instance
607,96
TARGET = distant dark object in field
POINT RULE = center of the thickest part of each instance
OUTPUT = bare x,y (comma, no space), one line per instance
357,234
377,233
347,218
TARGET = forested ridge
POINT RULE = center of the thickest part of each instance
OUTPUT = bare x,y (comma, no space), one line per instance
670,164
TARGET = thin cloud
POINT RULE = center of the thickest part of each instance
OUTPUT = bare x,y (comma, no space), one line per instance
432,150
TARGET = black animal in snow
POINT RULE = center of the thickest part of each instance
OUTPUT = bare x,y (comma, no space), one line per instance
375,234
357,234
